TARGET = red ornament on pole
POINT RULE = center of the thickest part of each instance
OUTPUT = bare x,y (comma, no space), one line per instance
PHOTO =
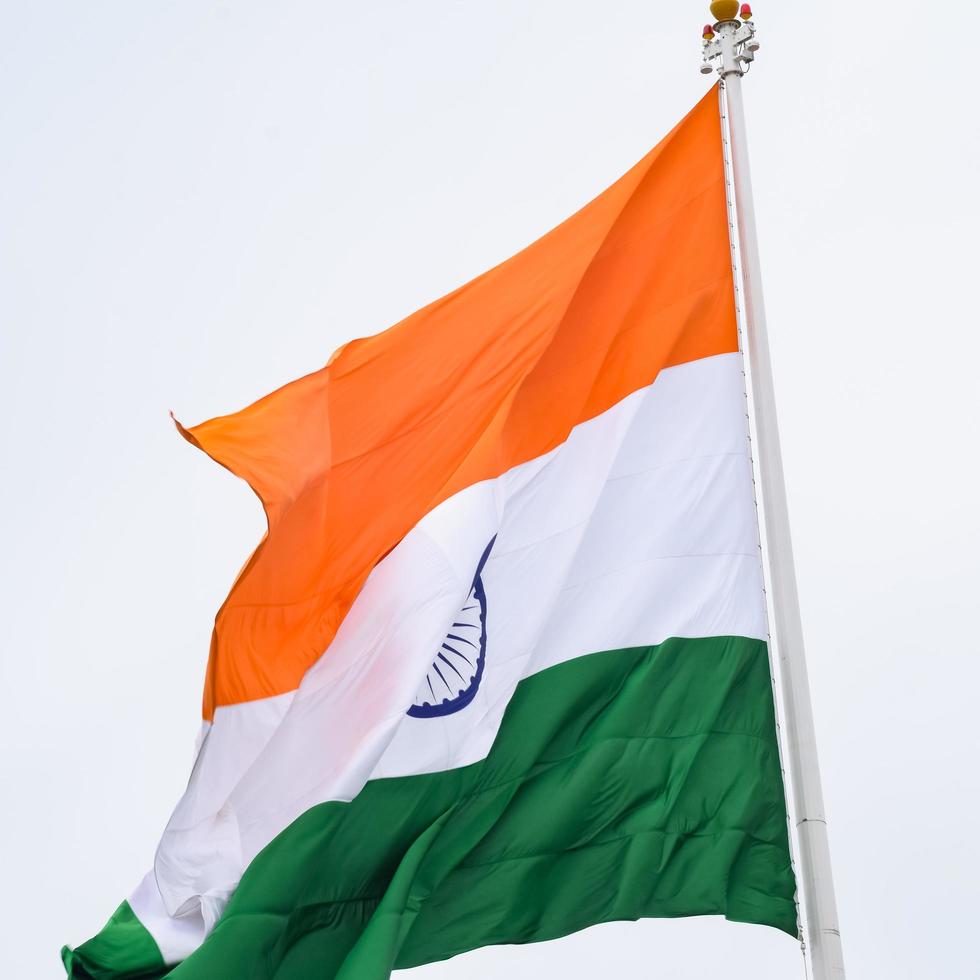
746,12
708,33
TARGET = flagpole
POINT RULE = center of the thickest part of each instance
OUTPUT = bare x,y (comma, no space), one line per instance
730,48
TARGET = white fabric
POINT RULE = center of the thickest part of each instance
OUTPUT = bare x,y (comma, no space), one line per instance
640,527
176,938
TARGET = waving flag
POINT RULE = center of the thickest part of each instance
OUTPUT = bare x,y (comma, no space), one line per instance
498,670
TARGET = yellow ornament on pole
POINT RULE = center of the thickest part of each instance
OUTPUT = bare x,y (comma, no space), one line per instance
724,9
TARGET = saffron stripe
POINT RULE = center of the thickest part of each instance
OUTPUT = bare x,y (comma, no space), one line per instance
347,460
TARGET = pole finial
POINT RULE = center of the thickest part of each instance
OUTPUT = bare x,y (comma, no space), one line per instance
724,9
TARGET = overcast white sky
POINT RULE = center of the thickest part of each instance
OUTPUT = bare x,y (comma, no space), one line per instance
200,200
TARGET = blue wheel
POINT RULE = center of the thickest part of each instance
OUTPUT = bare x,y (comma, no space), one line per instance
454,676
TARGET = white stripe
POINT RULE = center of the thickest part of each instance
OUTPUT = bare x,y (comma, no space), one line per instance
641,526
176,938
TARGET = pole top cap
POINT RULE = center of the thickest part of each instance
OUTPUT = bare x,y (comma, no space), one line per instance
725,9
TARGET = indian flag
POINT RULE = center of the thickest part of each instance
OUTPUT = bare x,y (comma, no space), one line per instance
498,670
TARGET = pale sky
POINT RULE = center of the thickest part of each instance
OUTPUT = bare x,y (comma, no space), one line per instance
200,201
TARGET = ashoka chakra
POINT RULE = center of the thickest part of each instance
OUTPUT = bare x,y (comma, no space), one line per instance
454,676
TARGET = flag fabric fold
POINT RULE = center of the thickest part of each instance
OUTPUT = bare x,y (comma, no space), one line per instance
498,669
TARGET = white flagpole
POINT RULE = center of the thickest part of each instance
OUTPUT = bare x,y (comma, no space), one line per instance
731,50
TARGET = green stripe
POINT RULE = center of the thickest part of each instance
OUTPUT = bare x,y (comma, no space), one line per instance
122,949
628,784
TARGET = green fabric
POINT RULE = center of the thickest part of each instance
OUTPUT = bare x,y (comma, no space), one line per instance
122,949
628,784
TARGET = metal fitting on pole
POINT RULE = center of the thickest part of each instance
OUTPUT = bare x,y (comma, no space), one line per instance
729,45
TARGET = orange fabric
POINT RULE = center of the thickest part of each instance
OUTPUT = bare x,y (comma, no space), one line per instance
348,459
